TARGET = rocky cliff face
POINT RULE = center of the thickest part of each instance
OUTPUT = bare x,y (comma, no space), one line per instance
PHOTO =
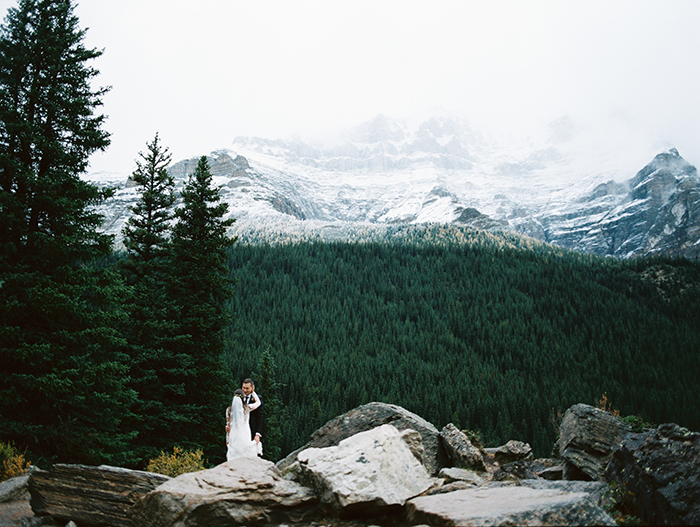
655,212
386,172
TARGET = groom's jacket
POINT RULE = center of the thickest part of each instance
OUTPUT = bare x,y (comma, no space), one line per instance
256,418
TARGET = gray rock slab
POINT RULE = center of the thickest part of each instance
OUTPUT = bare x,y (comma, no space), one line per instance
14,489
596,490
370,471
90,495
244,491
509,505
660,472
451,474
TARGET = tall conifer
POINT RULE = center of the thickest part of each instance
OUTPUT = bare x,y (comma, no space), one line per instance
201,287
147,231
62,393
156,373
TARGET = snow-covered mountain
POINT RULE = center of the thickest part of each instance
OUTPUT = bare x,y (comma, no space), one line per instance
655,212
555,187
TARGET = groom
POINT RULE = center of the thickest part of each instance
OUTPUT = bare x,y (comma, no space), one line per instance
256,417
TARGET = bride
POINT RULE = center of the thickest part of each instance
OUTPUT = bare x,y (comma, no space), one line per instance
239,442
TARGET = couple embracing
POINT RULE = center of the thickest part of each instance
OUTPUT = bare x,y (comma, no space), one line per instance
244,423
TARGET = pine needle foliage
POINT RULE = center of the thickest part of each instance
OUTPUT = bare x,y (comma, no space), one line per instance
147,231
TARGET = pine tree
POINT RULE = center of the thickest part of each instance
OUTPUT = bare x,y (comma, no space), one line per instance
62,393
275,414
147,231
156,372
200,286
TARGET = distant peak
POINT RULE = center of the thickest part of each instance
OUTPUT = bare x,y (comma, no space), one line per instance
379,129
669,155
667,162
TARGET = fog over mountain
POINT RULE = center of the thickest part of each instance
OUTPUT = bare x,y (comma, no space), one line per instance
203,74
555,187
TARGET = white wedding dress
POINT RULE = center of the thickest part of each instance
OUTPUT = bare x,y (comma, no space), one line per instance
239,442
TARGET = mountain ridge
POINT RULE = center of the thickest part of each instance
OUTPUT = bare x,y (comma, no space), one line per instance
441,170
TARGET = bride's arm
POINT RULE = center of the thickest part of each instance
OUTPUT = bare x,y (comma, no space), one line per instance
252,406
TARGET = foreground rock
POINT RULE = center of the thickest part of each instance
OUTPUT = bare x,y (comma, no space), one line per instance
510,452
659,471
451,474
246,491
460,451
90,495
516,471
14,504
370,473
597,491
588,437
506,506
378,474
370,416
15,489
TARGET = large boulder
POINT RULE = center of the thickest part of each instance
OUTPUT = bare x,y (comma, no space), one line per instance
588,437
461,452
509,505
245,491
370,416
90,495
659,471
372,472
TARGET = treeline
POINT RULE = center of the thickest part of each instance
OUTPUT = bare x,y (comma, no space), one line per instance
104,358
493,333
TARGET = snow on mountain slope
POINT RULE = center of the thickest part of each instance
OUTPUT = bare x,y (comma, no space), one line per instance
554,187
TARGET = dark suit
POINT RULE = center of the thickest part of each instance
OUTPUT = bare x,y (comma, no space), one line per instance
256,418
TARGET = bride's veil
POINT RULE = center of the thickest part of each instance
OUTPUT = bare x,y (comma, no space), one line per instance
240,431
239,442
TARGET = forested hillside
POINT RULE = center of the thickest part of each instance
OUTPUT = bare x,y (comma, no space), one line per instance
492,333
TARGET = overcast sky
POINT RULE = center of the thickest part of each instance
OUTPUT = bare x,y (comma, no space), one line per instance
203,72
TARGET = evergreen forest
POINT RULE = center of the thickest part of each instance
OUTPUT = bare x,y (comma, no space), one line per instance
494,333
